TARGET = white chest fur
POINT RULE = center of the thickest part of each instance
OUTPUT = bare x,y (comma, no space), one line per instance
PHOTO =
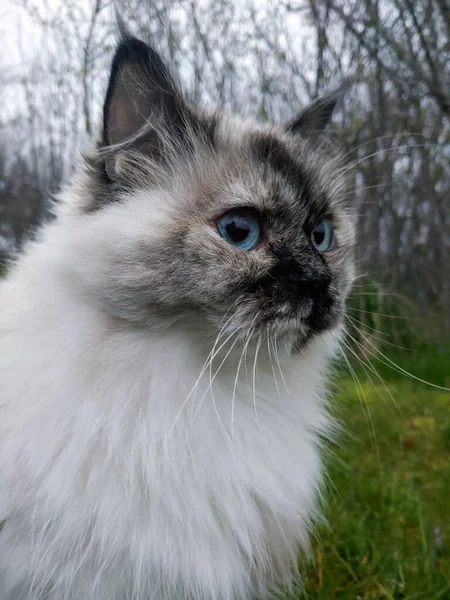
115,483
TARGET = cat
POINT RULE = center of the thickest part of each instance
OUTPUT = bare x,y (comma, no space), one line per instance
164,349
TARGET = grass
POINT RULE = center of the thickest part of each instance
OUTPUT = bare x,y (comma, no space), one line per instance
388,502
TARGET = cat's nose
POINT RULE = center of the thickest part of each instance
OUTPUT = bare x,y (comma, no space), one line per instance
309,280
304,272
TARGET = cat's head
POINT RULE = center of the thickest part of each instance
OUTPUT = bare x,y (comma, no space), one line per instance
211,219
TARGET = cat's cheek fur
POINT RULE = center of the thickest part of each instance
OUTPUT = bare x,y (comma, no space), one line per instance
123,257
115,488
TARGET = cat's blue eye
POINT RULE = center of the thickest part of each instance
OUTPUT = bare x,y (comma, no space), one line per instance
240,227
322,236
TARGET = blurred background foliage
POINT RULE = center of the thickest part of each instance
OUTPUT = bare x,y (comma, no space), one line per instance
389,494
265,58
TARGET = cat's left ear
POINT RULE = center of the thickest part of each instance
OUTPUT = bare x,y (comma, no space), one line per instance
313,120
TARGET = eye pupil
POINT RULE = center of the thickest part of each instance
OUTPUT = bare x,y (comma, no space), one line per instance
238,229
319,235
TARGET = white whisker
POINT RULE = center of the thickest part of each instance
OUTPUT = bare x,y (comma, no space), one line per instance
193,390
258,344
395,367
271,362
355,323
377,314
212,378
277,359
367,366
362,400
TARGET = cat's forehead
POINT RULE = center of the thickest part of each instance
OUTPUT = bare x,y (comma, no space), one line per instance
265,167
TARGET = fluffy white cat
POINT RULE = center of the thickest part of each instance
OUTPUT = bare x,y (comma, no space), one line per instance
164,344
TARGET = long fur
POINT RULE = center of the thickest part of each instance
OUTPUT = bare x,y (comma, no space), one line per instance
160,415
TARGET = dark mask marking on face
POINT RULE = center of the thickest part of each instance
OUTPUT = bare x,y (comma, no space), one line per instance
273,153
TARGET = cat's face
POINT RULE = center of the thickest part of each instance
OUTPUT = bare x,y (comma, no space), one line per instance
211,219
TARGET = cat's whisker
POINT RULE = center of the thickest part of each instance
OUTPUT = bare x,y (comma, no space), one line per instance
212,353
233,396
358,322
358,325
227,436
350,193
203,370
271,362
277,359
361,276
367,366
377,314
342,158
258,344
361,286
252,331
209,367
193,390
383,294
388,151
212,377
362,400
243,353
395,367
229,309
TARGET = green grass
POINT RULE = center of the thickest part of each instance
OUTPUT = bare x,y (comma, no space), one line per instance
388,502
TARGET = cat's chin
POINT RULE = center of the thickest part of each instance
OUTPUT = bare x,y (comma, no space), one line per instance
290,333
284,327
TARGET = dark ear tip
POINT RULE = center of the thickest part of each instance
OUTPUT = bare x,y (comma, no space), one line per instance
126,38
314,118
134,50
131,49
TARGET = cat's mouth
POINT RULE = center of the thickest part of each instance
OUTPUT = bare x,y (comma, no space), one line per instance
300,319
304,323
299,312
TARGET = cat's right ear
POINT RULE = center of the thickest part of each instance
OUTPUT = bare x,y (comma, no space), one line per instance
141,92
313,120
